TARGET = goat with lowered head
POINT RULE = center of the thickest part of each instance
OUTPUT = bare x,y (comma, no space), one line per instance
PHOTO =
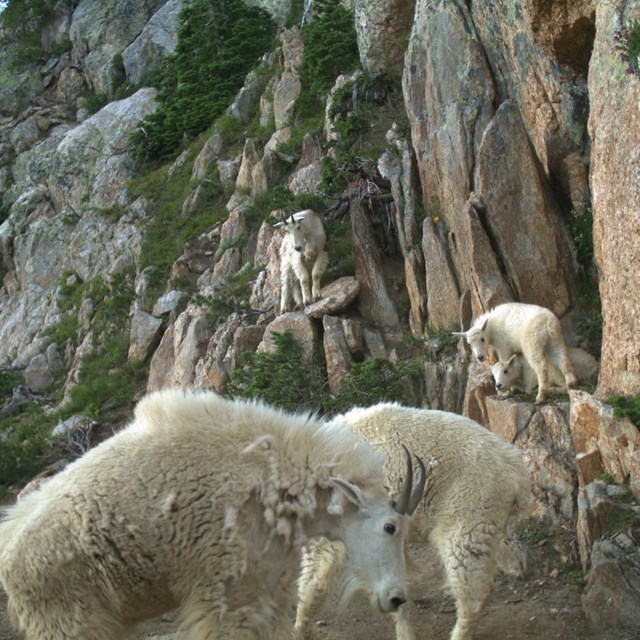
517,374
476,486
201,504
533,331
303,259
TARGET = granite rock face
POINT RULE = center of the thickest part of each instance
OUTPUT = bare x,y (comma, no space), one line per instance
615,159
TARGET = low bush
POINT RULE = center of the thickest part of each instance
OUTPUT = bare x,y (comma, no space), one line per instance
626,408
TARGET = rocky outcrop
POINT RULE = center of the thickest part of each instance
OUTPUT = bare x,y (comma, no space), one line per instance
101,30
157,39
91,163
615,160
382,27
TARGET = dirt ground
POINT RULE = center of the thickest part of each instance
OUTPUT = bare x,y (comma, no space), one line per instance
543,607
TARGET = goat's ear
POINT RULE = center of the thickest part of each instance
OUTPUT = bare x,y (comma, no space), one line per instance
484,326
341,490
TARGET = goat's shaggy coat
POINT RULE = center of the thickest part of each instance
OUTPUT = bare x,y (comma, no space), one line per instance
201,503
476,486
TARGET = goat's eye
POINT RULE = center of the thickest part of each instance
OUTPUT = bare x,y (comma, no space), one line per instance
390,528
481,339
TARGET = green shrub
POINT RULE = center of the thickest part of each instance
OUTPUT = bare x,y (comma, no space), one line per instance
278,197
62,47
95,101
230,129
580,225
25,445
626,408
280,378
330,45
340,247
375,380
9,380
219,41
296,11
22,22
232,297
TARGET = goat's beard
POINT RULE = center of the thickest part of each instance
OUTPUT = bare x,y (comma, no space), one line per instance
352,583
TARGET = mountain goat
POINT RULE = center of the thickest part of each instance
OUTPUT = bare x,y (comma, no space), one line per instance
533,331
201,503
517,374
477,484
303,259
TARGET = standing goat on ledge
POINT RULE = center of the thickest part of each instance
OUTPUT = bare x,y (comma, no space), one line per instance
303,259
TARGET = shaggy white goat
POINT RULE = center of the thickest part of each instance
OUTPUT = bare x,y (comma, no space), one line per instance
515,327
476,485
303,259
517,374
201,503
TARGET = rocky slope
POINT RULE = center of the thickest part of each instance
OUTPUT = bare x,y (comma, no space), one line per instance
493,129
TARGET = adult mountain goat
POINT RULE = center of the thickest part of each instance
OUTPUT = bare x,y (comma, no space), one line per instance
533,331
476,485
201,503
303,259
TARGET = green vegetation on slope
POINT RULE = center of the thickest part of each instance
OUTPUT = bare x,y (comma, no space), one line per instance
219,42
284,379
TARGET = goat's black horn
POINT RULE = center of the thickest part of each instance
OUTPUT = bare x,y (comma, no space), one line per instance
418,490
403,502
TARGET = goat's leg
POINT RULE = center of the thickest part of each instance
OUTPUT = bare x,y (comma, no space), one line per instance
321,567
319,267
470,567
285,293
538,362
560,358
305,286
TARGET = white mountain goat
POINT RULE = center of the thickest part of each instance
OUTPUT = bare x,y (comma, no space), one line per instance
303,259
517,374
533,331
201,503
476,485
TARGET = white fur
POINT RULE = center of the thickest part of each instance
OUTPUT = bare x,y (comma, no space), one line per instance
517,374
476,486
533,331
201,503
303,259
